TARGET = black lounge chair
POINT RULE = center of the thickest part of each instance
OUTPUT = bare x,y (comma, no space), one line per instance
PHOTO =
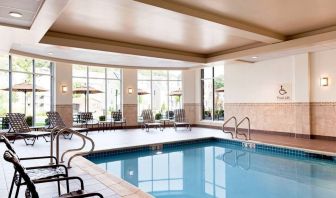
31,191
20,128
180,120
117,119
149,121
37,173
56,121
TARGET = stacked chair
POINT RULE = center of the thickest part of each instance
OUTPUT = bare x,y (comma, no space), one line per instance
149,121
180,120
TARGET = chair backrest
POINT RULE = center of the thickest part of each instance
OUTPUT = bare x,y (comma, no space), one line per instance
7,143
5,123
86,116
116,115
147,115
12,158
18,123
55,119
179,115
169,114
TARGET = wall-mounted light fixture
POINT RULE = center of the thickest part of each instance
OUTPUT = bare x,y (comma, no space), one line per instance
130,90
324,81
64,88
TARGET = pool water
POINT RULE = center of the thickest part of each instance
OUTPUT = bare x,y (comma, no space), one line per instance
217,169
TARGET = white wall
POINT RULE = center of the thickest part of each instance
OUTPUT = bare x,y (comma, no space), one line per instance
129,80
323,64
188,87
63,74
260,82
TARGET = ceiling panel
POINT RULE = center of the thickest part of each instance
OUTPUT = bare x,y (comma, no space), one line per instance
287,17
134,22
99,57
28,8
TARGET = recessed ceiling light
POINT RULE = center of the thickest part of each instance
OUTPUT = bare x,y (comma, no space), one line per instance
50,53
254,57
15,14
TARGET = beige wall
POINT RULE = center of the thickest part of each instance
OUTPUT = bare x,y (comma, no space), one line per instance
63,76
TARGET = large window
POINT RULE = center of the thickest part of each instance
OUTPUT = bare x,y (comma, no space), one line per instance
96,90
27,83
212,90
159,90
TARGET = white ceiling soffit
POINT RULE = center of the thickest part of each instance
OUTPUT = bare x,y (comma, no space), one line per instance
85,56
25,11
32,33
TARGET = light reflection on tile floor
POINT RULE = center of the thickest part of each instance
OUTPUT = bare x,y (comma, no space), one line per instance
131,137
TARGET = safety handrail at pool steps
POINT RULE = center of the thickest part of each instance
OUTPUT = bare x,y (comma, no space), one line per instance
248,137
67,130
235,125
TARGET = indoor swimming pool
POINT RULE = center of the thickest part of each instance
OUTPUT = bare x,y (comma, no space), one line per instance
223,168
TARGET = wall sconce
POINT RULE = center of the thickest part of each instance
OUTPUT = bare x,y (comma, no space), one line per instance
130,90
324,81
64,88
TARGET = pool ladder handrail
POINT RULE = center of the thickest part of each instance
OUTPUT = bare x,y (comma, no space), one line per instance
235,124
248,137
84,138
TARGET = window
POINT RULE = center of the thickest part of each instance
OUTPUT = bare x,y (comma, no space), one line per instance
102,96
26,87
212,91
159,90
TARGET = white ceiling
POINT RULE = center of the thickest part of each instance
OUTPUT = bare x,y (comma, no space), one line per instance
28,8
166,34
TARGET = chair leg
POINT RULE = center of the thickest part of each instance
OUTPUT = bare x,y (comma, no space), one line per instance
59,187
12,186
18,188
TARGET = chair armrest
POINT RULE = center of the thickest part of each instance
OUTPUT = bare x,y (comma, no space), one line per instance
49,166
40,157
88,195
61,179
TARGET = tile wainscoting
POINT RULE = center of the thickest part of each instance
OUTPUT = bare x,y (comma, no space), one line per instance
65,110
315,119
130,113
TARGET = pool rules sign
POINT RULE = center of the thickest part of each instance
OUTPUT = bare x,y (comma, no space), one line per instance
284,92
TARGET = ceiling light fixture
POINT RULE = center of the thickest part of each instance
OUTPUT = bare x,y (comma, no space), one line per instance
15,14
254,57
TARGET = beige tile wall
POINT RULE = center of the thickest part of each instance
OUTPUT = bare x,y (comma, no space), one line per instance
66,113
130,113
323,118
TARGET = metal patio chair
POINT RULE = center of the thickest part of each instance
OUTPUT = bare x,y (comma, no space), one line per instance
118,119
86,118
31,191
38,172
55,120
20,128
180,120
149,121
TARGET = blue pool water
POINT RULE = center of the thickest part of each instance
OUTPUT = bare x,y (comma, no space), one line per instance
218,169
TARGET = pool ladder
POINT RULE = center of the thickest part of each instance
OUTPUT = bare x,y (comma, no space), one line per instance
236,127
63,131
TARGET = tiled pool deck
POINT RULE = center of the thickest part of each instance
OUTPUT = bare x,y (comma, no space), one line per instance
97,180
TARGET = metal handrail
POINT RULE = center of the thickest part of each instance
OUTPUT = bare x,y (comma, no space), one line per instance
248,137
84,138
248,162
227,121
